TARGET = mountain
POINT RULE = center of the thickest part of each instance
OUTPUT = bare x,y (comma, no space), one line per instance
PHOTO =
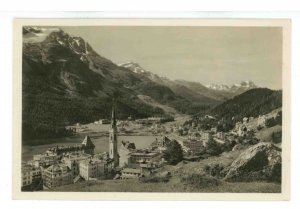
137,69
65,82
193,91
235,89
200,89
251,103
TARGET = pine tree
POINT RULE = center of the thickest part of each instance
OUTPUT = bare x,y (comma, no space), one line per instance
173,153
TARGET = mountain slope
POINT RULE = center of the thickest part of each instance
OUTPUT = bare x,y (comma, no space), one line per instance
65,81
252,103
203,90
181,88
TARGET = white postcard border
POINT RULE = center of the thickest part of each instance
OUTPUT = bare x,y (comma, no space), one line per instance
17,109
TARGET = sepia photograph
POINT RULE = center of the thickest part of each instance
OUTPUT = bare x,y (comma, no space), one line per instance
166,108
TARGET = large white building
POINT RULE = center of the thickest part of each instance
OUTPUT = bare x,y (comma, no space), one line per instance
95,168
57,175
194,146
72,160
126,149
45,160
261,120
143,156
30,174
131,173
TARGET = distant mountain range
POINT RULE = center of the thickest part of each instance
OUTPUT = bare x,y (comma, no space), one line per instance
236,88
193,90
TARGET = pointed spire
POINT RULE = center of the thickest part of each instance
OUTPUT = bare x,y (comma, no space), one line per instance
87,142
113,115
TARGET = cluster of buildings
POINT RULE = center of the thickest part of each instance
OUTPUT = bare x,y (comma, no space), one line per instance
141,162
198,141
62,165
158,128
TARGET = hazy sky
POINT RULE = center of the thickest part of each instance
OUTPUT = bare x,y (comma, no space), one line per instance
221,55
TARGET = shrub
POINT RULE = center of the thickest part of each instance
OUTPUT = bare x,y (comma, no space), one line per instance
213,148
228,145
250,141
200,180
155,179
267,174
259,127
214,169
277,137
271,122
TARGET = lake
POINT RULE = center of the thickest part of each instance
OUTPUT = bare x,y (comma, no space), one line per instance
100,141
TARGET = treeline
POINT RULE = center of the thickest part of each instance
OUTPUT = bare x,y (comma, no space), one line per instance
45,115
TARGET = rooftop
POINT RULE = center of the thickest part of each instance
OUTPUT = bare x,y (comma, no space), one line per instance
131,170
27,168
77,155
144,153
58,168
87,142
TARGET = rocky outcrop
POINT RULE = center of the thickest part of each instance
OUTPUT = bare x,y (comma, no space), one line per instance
260,162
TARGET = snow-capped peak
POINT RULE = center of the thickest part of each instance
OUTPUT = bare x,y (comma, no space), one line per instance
135,67
218,87
244,85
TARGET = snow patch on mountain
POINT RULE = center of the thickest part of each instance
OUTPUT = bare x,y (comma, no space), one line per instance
135,67
218,87
244,85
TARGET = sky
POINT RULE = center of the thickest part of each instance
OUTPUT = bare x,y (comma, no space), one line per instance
218,55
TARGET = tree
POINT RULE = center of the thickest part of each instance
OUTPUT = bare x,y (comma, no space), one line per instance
213,148
271,122
173,153
278,118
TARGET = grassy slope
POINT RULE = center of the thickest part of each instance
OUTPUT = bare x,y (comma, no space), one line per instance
133,185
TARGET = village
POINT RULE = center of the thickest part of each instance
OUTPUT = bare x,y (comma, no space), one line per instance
65,165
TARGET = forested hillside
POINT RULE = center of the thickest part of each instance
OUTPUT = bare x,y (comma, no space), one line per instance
249,104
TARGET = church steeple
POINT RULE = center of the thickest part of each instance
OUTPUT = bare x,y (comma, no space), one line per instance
113,115
113,141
